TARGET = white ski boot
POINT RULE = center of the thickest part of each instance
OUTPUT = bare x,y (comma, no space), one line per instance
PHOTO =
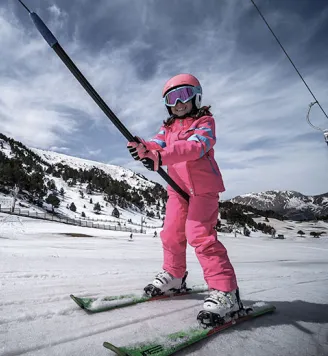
220,306
165,282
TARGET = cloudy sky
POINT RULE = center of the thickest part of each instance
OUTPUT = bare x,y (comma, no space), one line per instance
127,49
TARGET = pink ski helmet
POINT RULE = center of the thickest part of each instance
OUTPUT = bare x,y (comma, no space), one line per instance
182,80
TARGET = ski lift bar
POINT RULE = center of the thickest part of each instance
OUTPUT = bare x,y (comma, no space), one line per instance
325,135
325,132
54,44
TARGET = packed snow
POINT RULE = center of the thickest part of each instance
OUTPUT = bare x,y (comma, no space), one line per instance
42,263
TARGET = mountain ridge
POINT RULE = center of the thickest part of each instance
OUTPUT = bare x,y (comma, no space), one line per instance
291,204
38,166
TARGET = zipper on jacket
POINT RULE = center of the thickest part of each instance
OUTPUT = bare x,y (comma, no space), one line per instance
191,189
212,166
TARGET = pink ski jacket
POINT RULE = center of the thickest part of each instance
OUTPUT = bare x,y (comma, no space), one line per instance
186,148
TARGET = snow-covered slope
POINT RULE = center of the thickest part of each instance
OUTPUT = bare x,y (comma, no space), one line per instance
78,181
116,172
5,148
41,267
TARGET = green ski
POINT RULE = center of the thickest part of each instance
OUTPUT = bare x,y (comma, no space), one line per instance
172,343
97,305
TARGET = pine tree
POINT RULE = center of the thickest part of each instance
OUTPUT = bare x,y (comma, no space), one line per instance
97,208
53,201
115,213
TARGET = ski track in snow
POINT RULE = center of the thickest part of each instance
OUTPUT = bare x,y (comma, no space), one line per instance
39,271
95,330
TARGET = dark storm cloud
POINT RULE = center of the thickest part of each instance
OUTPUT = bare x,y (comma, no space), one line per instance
171,26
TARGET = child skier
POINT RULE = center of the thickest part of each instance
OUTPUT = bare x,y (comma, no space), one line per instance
185,145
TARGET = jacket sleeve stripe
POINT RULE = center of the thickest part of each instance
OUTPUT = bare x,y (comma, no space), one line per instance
160,142
206,129
201,139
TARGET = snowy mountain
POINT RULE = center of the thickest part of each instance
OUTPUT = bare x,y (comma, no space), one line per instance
135,180
41,173
116,172
53,158
290,204
84,183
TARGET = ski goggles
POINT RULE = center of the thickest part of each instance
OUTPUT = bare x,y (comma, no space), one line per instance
183,94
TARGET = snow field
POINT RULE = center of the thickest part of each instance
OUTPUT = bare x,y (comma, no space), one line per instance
41,267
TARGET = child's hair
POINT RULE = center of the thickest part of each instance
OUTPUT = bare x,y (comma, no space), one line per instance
195,113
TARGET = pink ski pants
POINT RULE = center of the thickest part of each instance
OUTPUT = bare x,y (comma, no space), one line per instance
194,222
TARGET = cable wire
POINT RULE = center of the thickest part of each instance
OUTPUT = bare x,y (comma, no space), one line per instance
300,75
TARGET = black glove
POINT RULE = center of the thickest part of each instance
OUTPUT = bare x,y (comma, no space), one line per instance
137,148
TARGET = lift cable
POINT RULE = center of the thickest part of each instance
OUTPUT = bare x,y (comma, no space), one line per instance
300,75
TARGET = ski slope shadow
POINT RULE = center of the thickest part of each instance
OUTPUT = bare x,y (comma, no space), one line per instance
287,313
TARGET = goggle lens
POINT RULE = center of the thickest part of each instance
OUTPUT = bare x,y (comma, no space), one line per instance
184,94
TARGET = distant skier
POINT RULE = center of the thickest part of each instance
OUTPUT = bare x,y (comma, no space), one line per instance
155,234
246,231
185,144
273,233
131,237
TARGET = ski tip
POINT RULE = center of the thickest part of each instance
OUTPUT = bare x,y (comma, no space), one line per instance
77,301
74,297
115,349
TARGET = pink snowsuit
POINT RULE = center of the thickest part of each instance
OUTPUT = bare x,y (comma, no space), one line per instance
186,148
